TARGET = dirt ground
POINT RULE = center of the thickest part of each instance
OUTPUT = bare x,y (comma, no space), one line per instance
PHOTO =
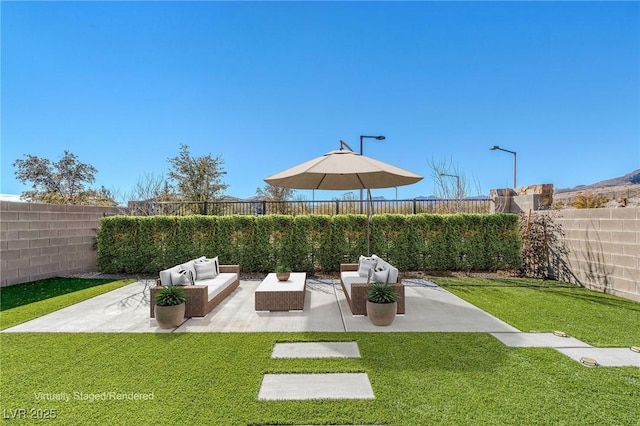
618,196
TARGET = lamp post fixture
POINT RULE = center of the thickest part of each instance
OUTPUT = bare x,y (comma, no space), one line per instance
496,147
458,191
362,137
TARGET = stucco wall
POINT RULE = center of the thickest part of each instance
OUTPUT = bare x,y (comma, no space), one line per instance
47,240
604,249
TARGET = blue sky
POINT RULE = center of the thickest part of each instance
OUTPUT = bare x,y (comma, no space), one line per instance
268,85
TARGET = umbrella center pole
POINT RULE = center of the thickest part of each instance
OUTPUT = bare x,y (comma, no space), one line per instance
369,212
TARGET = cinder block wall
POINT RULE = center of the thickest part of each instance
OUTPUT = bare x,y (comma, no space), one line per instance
604,249
46,240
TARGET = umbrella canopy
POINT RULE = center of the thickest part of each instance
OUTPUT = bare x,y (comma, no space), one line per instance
343,170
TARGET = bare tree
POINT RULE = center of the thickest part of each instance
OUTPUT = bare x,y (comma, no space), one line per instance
450,182
148,190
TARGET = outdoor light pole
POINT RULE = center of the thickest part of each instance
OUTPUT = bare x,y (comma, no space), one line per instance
458,192
496,147
362,137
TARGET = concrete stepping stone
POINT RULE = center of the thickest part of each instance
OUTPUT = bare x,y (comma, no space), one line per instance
315,386
316,350
539,340
605,357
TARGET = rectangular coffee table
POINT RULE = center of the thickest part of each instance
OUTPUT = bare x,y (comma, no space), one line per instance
274,295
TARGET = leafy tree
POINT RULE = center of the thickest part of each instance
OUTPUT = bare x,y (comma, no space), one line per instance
197,178
63,182
275,193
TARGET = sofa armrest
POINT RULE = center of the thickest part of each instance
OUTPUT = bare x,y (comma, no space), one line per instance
348,267
230,269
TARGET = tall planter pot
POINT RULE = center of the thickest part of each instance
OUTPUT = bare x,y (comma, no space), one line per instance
170,316
382,314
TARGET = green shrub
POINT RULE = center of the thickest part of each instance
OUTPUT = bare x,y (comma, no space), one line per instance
381,293
170,295
310,243
588,200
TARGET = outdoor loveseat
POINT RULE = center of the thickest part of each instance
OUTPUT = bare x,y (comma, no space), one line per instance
355,278
209,287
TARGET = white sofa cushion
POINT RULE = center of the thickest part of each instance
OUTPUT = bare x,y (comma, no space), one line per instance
165,276
216,285
381,276
383,264
189,266
180,277
205,269
216,264
366,264
351,277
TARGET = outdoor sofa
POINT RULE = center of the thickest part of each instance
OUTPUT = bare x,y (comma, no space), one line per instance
355,279
208,289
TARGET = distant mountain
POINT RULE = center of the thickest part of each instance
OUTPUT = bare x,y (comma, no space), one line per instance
632,178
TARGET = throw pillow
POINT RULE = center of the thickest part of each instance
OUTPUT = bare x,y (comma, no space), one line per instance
379,276
205,270
216,263
178,277
191,278
393,274
365,265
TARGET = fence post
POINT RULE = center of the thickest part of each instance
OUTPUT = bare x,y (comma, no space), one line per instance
264,207
337,207
206,208
414,206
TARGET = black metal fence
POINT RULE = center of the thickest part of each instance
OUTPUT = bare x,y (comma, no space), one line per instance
332,207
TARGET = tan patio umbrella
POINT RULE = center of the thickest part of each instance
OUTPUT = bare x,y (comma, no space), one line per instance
344,170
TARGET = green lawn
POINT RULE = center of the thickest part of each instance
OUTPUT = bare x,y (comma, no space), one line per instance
23,294
535,305
214,378
417,378
23,302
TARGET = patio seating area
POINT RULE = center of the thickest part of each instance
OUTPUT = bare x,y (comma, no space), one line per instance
430,309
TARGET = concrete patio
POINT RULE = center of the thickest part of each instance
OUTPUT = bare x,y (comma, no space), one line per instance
429,309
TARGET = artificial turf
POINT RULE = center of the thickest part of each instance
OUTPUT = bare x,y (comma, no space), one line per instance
214,378
530,305
34,291
24,302
417,378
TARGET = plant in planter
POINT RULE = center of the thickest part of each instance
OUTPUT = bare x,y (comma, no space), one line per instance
381,304
283,272
170,306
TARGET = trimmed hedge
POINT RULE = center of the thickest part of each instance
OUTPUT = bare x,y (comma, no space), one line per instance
147,244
